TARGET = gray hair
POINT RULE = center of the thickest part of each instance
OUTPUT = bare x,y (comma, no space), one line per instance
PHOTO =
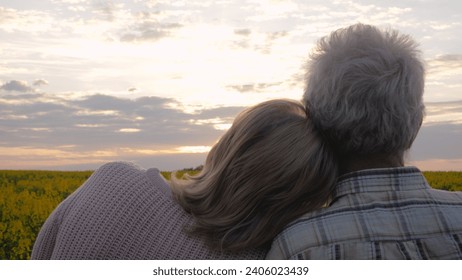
268,169
364,90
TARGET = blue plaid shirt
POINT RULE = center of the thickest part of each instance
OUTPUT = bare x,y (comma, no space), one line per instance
378,214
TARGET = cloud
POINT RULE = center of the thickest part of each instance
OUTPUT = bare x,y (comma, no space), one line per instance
440,141
19,86
259,41
278,34
43,128
107,10
437,146
30,21
243,88
243,32
40,82
443,77
77,43
148,31
443,113
257,87
148,25
445,65
267,10
450,57
7,15
70,1
438,26
228,112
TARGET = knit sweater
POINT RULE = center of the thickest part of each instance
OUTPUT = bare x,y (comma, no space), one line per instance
124,212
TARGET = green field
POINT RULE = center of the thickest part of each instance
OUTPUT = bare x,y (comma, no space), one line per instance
28,197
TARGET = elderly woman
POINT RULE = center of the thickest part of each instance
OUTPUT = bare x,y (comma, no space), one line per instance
268,169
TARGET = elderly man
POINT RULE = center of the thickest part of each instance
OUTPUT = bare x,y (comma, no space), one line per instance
364,93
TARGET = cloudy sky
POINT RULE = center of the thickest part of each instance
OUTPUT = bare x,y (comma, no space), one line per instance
83,82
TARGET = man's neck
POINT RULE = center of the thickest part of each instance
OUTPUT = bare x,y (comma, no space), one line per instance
356,163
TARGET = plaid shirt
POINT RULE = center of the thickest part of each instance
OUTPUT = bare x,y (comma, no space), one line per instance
378,214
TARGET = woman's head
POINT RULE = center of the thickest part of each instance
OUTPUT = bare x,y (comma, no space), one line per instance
269,168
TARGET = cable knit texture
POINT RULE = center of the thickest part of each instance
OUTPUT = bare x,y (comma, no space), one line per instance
123,212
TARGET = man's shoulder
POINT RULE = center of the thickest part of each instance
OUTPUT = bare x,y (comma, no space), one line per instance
366,213
446,196
304,232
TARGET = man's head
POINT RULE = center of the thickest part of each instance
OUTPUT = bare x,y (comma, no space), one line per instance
364,91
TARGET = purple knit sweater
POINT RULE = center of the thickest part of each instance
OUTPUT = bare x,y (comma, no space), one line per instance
123,212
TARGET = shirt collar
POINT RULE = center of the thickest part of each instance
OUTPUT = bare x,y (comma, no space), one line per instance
380,180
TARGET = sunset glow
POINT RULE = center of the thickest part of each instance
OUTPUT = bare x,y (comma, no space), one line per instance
83,82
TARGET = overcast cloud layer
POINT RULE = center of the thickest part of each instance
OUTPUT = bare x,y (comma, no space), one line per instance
83,82
44,131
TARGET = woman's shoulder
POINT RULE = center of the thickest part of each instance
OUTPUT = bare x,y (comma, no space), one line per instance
126,176
116,167
123,189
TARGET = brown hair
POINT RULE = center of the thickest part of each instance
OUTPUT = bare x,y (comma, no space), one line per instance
268,169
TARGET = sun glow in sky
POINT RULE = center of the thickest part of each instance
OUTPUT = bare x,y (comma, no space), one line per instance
83,82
